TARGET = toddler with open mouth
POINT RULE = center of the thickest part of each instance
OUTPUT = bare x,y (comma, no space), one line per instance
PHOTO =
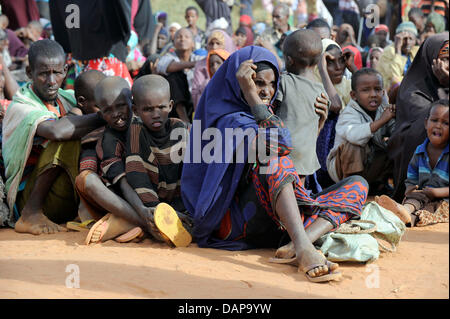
426,194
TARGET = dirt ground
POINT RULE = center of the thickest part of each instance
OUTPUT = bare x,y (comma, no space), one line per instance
45,267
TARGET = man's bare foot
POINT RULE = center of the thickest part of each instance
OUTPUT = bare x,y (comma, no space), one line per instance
311,257
37,224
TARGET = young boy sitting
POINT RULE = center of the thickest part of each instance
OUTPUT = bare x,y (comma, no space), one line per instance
102,193
359,146
84,94
301,101
153,161
426,195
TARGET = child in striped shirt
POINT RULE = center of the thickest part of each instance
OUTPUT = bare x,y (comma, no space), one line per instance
426,195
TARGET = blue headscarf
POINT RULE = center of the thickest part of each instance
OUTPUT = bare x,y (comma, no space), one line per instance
208,189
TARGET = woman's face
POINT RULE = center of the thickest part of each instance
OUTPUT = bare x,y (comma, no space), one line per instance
162,40
172,32
374,58
336,67
215,62
241,39
214,44
265,82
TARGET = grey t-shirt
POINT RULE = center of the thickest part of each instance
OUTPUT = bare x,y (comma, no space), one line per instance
296,97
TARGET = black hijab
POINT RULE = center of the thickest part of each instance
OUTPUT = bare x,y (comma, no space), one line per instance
418,90
420,87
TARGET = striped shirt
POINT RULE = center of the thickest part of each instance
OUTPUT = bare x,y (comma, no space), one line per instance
152,168
111,152
420,173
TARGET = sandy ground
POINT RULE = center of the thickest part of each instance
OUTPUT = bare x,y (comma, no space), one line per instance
42,266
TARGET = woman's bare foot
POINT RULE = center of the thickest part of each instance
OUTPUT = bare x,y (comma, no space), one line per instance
286,252
36,224
311,257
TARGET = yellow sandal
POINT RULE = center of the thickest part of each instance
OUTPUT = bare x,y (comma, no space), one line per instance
170,226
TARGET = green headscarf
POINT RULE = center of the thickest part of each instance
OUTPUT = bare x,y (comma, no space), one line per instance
437,20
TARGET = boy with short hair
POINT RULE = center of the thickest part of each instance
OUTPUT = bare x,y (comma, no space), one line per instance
321,27
155,144
84,87
305,111
361,131
107,195
100,188
191,17
426,195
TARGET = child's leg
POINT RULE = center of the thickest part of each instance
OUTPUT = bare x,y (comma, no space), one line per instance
402,212
83,212
349,160
377,169
108,200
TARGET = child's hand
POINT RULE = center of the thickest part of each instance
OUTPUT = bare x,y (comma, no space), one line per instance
321,106
430,192
411,189
388,114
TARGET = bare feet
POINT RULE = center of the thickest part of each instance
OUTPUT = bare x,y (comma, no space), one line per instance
286,252
37,224
317,261
391,205
307,259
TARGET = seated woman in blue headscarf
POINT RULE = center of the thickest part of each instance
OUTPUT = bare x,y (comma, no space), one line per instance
240,198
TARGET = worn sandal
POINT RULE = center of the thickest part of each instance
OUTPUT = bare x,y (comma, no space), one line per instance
86,225
331,275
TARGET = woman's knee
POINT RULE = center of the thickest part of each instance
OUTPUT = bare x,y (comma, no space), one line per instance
356,179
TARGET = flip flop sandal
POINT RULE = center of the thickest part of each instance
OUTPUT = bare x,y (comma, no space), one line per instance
169,225
332,275
97,230
288,261
131,235
86,225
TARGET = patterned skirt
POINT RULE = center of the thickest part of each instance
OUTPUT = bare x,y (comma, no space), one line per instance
252,218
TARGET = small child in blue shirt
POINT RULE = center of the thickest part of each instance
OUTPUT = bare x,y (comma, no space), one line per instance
427,193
